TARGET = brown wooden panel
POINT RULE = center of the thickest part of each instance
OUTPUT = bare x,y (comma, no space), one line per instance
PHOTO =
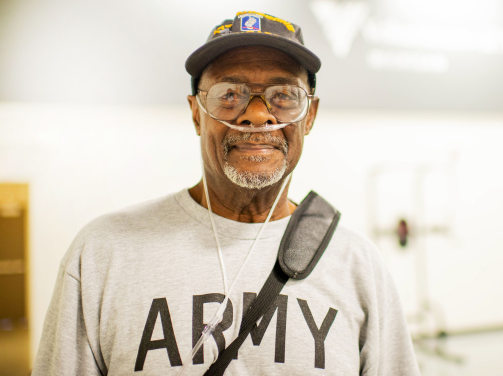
12,296
12,237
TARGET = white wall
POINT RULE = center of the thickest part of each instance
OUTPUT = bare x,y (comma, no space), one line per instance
82,161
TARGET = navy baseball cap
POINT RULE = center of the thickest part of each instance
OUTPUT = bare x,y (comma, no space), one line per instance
251,29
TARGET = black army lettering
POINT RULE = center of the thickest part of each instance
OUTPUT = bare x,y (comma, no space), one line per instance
320,334
159,308
198,325
258,331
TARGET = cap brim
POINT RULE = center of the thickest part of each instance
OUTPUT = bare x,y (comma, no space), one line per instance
204,55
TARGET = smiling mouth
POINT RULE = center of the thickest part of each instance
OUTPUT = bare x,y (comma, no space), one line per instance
248,147
252,145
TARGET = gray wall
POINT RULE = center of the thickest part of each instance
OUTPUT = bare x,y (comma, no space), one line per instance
403,55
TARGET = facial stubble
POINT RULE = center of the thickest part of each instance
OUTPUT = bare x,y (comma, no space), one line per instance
255,179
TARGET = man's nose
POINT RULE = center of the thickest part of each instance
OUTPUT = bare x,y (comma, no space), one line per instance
256,113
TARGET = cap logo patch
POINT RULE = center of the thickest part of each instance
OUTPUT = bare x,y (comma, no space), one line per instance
250,22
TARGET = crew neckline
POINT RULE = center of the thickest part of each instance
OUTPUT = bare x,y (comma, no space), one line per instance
227,227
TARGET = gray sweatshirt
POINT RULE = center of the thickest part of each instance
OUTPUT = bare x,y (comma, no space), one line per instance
137,286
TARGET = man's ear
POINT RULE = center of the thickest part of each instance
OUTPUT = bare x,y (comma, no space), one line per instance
195,113
311,115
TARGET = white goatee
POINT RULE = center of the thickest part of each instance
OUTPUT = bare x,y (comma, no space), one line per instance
255,179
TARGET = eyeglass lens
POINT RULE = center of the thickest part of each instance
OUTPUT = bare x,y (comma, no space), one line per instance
227,101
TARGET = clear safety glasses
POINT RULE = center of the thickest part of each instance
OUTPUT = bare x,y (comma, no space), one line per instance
226,102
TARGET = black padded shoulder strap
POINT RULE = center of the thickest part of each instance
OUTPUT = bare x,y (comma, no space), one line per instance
307,236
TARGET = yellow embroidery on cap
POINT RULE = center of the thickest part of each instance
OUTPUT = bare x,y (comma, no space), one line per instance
256,31
218,30
287,24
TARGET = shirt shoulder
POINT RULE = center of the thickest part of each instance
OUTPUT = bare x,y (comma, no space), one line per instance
361,259
129,224
355,245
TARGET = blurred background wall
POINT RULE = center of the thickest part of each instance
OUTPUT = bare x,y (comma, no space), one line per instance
93,117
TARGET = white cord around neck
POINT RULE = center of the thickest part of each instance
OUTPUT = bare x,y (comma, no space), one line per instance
217,318
215,233
227,290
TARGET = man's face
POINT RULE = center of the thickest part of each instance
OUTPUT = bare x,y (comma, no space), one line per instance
259,159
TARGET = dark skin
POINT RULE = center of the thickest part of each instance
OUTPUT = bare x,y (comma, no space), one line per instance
251,64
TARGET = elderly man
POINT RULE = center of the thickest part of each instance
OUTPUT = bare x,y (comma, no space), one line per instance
138,286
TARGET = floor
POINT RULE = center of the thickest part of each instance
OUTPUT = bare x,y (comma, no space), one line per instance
478,354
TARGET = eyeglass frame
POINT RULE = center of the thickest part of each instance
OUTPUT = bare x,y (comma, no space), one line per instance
261,95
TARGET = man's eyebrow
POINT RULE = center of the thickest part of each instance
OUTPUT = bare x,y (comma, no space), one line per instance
273,80
283,80
234,79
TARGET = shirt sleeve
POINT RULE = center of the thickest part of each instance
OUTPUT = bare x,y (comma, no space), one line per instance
387,349
64,348
396,353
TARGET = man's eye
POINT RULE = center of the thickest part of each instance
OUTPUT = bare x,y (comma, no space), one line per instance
230,98
283,98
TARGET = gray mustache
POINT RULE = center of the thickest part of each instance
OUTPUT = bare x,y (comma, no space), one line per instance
263,137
